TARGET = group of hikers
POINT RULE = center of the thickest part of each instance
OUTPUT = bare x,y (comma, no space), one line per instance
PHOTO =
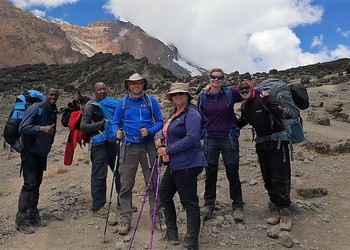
191,139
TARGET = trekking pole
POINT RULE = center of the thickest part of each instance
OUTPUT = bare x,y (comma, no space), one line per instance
159,168
143,204
116,165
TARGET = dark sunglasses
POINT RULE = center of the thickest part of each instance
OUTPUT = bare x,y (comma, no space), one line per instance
138,83
216,77
175,94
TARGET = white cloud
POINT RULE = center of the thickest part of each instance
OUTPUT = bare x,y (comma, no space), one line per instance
38,13
23,4
235,35
341,51
345,33
317,41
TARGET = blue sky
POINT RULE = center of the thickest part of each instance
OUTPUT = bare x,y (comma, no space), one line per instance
248,36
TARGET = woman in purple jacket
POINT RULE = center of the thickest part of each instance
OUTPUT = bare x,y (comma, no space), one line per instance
185,160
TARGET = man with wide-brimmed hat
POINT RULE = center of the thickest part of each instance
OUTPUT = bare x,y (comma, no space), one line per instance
137,119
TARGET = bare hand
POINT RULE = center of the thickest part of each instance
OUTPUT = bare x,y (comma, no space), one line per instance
144,132
49,129
120,134
161,151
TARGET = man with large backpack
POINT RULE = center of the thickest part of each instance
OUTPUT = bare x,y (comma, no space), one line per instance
96,121
37,129
137,119
272,149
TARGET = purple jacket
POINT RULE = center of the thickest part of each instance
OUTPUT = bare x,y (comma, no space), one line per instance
183,137
220,117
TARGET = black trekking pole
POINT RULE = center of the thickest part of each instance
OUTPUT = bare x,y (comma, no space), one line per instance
116,166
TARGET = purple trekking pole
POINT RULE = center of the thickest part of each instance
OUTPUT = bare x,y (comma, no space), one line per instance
143,203
155,202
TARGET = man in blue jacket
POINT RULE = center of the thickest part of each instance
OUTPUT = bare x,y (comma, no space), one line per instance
37,129
137,119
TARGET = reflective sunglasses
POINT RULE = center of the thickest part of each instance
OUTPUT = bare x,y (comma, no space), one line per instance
137,83
180,93
216,77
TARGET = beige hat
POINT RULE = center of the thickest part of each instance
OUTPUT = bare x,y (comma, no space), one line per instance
135,77
178,87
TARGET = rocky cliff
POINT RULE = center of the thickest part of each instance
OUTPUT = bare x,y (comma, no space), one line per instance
113,36
26,39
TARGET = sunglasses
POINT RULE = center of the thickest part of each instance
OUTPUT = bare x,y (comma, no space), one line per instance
137,83
244,89
216,77
175,94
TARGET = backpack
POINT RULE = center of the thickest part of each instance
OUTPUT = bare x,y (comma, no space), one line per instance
76,105
11,130
281,92
108,107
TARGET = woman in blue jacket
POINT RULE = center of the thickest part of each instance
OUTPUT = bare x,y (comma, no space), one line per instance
185,160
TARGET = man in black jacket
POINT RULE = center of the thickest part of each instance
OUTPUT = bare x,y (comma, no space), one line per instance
38,129
272,150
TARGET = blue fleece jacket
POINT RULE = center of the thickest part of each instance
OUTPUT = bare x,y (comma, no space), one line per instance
136,114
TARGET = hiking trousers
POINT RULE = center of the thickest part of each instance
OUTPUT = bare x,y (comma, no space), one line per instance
133,155
276,171
33,168
228,146
102,156
185,183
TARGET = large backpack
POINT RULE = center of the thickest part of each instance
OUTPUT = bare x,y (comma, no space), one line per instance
108,107
281,92
23,101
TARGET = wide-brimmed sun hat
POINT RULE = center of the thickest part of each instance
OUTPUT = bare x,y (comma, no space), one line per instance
135,77
179,87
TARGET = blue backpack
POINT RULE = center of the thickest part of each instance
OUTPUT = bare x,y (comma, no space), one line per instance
108,107
23,101
281,92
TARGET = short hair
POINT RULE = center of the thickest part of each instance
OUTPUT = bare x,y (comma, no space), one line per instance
216,70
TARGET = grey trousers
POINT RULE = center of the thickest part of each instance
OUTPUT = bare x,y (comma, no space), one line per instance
133,155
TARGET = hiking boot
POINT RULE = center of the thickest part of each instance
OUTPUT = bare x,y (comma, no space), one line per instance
286,220
173,237
275,216
123,228
102,212
25,228
238,215
207,213
38,223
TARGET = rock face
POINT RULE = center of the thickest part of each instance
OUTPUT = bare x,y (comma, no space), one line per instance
26,39
116,37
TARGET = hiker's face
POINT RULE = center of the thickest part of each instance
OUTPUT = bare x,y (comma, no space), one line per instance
136,87
100,91
216,79
52,96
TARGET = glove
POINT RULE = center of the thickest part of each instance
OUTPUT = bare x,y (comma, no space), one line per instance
285,113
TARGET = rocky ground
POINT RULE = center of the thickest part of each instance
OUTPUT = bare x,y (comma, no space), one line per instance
320,193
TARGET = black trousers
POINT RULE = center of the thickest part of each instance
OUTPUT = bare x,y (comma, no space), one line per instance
102,156
276,171
185,183
33,168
